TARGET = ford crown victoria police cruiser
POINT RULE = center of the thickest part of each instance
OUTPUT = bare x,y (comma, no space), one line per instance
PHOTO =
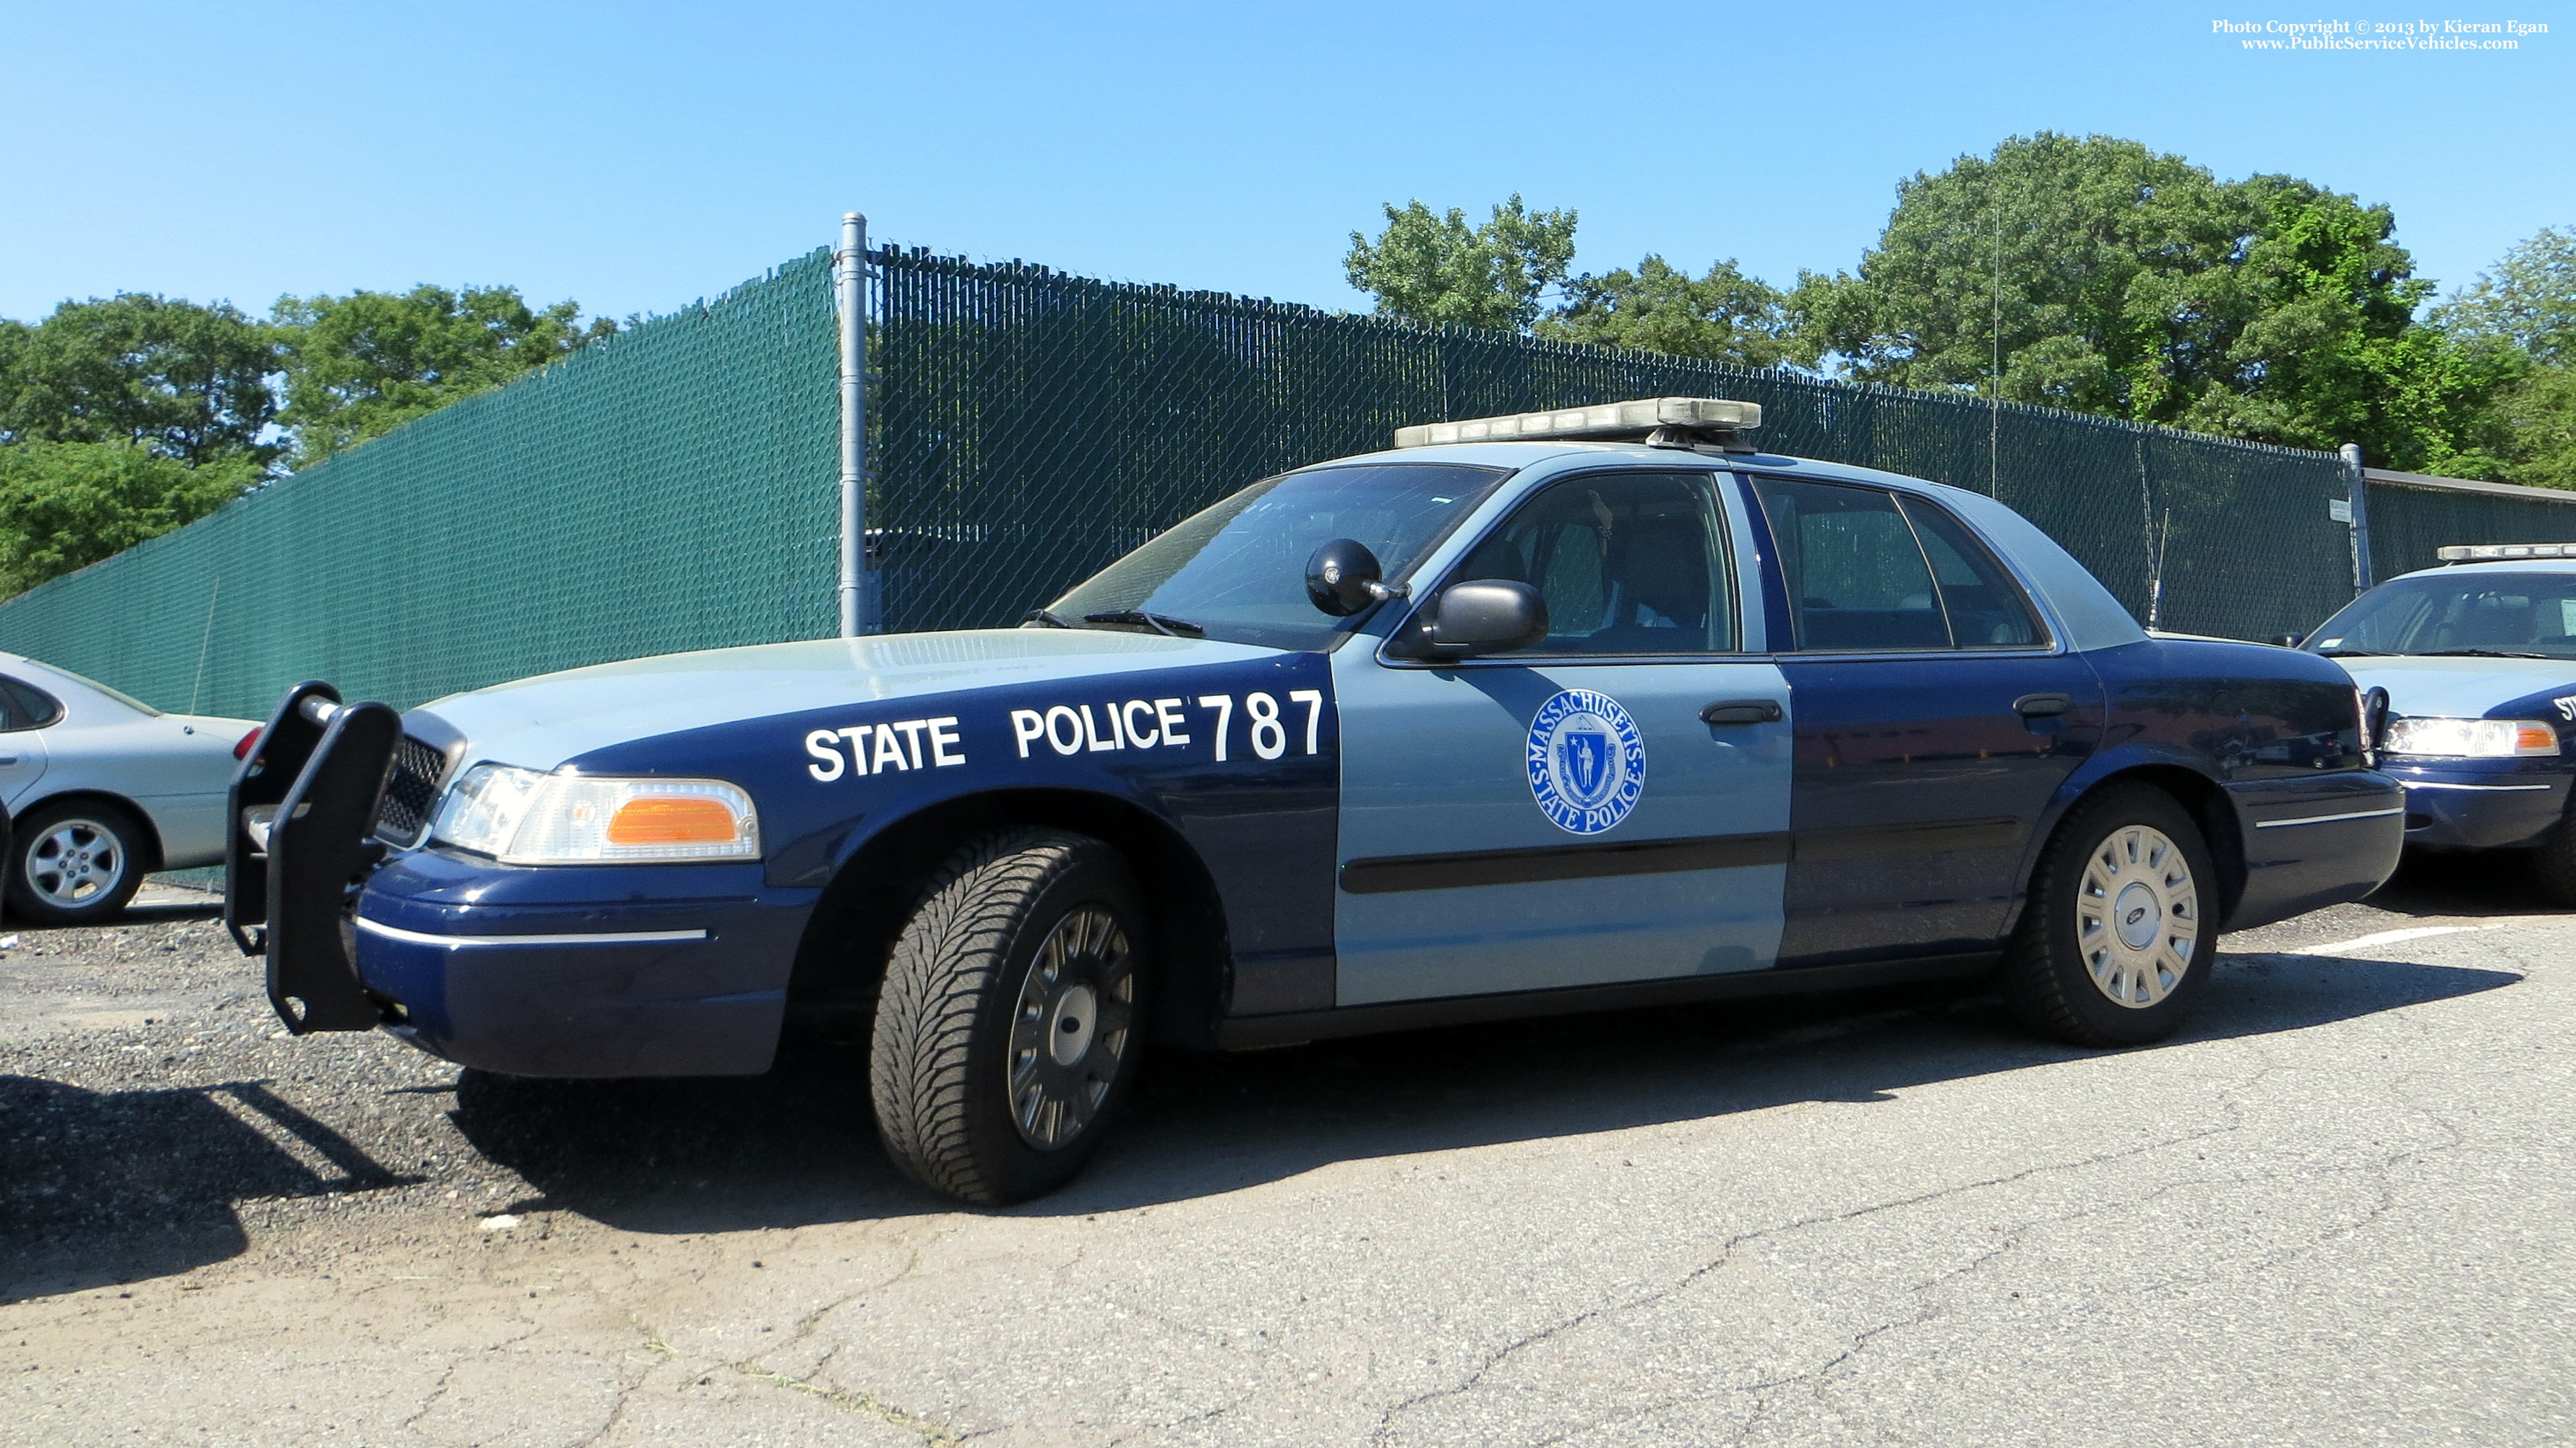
2478,663
1560,712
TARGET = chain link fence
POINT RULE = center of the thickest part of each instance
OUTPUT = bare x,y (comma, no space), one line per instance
674,487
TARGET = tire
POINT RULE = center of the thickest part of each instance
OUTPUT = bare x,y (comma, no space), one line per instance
994,1076
2120,932
75,862
2554,864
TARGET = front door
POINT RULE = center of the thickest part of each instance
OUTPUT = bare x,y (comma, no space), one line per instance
1564,815
1934,723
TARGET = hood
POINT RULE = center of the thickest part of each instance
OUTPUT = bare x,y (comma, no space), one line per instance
540,722
2460,688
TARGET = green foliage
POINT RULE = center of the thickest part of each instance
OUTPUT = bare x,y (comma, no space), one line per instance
2527,304
181,380
1438,271
2100,276
2537,419
1725,316
2085,266
64,505
2321,345
361,365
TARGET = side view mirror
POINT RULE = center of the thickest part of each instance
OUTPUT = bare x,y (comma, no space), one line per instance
1487,616
2289,641
1343,577
2374,722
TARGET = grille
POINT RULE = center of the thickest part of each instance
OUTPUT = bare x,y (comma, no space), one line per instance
411,792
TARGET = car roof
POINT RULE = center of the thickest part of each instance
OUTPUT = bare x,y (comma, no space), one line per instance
2497,565
1519,455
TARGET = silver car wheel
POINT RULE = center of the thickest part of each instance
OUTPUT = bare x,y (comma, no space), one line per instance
1071,1029
74,862
2137,917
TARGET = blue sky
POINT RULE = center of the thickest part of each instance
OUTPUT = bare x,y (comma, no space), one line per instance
635,156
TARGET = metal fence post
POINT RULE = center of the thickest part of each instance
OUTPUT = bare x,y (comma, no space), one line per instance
859,611
2357,487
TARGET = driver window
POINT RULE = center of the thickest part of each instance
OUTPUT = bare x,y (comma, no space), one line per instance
1628,564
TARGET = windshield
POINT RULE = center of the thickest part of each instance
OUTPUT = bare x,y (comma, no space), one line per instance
2472,614
1237,571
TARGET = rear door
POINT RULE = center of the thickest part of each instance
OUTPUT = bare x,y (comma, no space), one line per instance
22,743
1935,719
1564,816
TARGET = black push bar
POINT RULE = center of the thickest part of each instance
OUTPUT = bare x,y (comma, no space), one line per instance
303,809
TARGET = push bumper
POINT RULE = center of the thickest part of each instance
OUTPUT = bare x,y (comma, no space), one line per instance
657,970
2476,804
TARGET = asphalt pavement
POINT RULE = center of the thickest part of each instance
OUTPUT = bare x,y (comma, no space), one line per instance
2339,1209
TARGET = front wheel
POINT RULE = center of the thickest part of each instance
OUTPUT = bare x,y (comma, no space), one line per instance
75,863
2116,940
1010,1019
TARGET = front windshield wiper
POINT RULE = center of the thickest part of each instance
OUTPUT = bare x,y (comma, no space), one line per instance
1160,623
1040,615
2353,653
2479,654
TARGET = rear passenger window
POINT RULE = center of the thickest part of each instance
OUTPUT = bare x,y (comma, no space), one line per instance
1986,608
24,706
1856,576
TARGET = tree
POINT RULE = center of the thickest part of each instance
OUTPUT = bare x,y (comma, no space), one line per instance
2528,303
2099,276
2073,272
2322,346
360,365
181,380
1658,307
64,505
1438,271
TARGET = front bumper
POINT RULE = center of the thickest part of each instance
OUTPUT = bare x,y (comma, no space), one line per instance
2482,804
636,970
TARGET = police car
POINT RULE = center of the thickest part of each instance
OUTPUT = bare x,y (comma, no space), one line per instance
2478,663
1565,711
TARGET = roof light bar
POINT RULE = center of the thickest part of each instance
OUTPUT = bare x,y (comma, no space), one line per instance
2489,552
1608,420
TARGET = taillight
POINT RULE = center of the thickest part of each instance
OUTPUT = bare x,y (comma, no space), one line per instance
242,750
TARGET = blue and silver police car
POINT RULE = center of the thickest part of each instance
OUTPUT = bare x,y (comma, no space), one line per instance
2478,662
1594,708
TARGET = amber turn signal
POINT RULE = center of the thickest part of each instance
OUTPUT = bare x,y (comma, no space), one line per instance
672,820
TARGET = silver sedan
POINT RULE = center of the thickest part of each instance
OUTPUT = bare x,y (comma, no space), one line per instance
101,790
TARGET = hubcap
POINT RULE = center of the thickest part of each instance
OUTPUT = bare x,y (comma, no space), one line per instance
1071,1031
2137,917
74,863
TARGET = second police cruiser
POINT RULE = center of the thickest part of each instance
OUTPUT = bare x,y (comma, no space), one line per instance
2478,659
1563,711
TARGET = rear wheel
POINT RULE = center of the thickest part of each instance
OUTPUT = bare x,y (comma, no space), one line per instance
74,863
1008,1026
2115,943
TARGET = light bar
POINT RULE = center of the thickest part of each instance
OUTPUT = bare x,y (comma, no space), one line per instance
2489,552
1607,420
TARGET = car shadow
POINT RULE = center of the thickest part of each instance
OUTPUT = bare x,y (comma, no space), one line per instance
2489,883
119,1186
796,1147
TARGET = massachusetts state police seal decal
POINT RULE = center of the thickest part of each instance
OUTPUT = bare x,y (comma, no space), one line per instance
1587,762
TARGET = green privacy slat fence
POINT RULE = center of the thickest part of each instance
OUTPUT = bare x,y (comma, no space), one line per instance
674,487
1031,426
669,488
2408,523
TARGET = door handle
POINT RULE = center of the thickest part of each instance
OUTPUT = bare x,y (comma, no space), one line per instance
1741,711
2041,706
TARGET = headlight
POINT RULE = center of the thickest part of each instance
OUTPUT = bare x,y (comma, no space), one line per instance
2472,738
523,817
